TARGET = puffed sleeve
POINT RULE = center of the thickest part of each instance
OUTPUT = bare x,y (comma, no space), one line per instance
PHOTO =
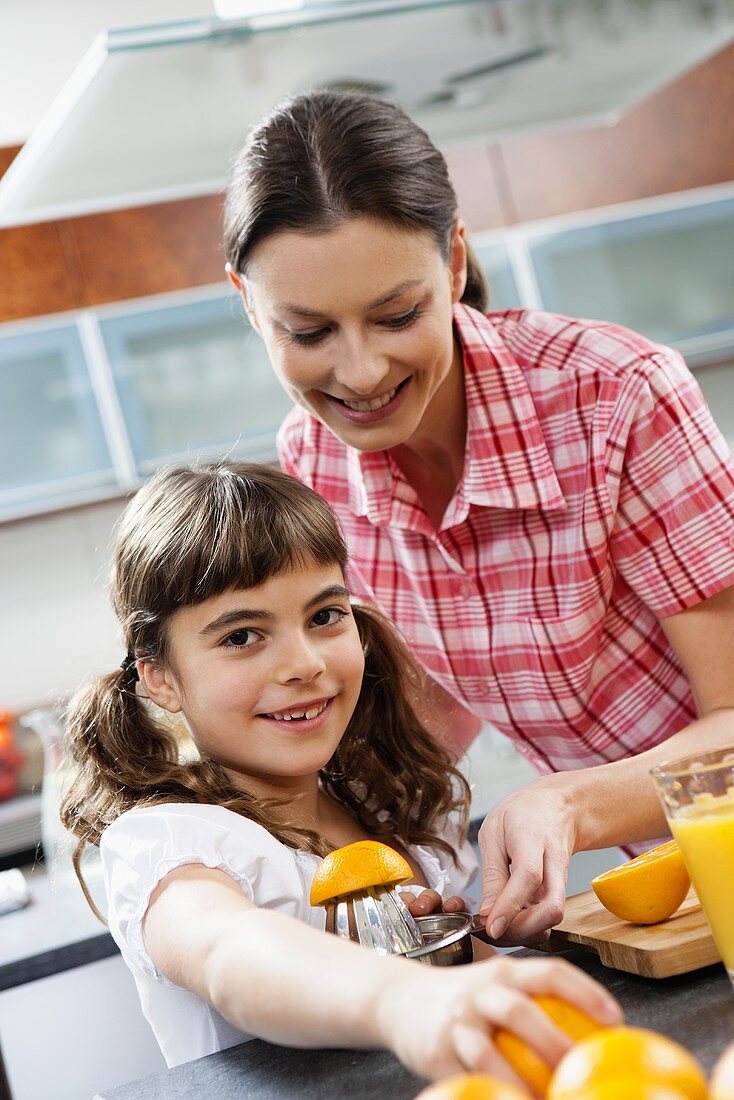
671,478
144,844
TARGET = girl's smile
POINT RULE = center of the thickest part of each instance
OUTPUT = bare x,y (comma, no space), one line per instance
267,678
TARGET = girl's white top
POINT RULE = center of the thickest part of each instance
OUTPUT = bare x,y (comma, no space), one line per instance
144,844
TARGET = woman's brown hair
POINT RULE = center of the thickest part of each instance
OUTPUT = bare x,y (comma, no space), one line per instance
324,157
192,533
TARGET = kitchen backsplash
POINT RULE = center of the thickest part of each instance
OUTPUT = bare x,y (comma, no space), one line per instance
57,626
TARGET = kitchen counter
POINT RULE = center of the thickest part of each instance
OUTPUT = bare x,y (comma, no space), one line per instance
55,932
695,1009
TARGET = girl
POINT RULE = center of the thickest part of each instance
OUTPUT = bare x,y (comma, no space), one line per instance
543,505
229,585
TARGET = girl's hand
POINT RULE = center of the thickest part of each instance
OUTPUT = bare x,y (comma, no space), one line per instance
440,1022
429,901
533,832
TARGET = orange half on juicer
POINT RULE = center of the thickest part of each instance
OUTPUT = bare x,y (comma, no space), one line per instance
356,884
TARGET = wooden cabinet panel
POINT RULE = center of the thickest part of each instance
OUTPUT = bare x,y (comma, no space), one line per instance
681,137
36,278
7,155
148,249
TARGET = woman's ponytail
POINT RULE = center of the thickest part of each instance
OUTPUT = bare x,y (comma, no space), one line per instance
476,291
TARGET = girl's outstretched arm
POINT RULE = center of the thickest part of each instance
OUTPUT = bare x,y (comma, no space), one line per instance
277,978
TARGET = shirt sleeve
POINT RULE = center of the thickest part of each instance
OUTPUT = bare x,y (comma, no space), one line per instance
145,844
673,477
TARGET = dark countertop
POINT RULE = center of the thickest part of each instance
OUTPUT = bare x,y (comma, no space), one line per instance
695,1009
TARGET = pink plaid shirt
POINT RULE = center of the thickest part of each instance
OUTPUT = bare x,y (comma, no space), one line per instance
597,496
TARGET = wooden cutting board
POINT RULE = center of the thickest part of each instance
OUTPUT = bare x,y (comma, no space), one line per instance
682,943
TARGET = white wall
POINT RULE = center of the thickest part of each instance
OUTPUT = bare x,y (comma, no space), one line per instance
57,626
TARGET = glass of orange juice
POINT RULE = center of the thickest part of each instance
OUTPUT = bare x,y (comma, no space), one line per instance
697,794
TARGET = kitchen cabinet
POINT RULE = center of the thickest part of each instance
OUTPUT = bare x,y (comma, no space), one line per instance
53,445
192,379
92,403
72,1034
669,275
94,400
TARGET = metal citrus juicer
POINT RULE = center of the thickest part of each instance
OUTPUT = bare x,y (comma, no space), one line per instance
357,885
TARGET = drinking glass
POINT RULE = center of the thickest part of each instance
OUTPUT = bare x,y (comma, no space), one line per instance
697,794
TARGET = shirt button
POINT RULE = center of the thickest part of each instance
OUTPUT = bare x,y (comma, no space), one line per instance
465,590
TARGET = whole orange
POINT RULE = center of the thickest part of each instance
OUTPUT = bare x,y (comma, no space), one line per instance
472,1086
721,1085
526,1063
627,1052
628,1088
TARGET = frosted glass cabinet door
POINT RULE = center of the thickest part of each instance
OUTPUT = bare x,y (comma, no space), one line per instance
717,382
193,379
495,262
52,444
670,275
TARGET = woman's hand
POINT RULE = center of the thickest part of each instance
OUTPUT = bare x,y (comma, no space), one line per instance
440,1022
532,834
429,901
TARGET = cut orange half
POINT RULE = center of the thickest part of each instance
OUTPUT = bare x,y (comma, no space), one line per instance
357,867
646,889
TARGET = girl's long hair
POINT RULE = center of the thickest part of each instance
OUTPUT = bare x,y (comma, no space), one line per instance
322,158
192,533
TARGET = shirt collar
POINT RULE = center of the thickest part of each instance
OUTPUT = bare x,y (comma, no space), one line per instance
506,465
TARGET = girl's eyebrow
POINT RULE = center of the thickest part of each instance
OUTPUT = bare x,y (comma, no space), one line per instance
381,301
332,591
239,614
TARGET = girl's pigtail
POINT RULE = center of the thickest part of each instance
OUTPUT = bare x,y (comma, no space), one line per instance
112,744
387,758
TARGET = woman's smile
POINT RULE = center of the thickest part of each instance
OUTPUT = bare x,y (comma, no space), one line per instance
369,410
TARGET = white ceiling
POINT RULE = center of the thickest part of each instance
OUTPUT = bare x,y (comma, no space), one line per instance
42,42
156,114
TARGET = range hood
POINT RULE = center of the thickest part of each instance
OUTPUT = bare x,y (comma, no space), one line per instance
156,113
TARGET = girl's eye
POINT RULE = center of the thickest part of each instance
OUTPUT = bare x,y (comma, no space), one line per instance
329,616
308,338
403,320
240,639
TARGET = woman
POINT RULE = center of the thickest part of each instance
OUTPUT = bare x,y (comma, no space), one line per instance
543,505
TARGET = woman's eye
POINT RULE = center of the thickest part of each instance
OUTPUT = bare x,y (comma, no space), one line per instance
403,320
329,616
306,338
240,639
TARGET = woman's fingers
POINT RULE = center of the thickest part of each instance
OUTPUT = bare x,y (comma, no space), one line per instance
547,906
523,870
495,862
